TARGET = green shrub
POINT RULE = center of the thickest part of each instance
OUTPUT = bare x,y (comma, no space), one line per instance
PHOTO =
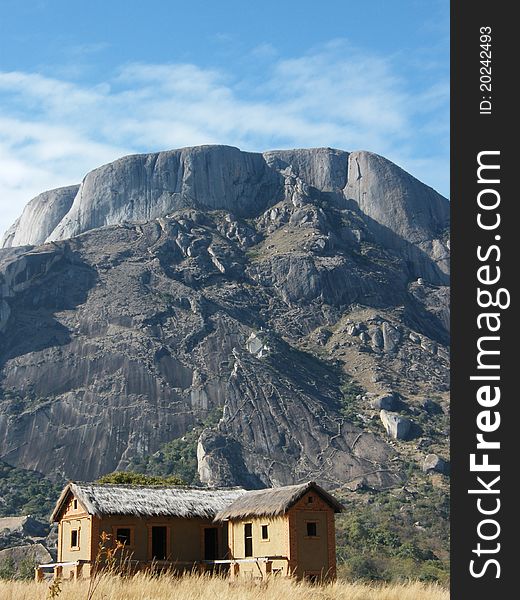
362,567
26,569
132,478
7,569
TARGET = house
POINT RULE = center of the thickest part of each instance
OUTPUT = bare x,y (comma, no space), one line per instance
293,526
287,530
163,525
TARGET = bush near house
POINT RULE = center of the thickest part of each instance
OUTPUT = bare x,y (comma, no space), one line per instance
132,478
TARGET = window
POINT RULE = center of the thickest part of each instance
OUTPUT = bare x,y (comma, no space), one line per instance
248,539
124,535
310,500
75,504
74,538
265,532
312,529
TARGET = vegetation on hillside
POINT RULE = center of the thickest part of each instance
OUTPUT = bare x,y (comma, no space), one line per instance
350,405
396,535
24,492
178,457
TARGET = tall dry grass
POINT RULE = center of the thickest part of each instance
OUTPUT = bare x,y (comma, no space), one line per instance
165,587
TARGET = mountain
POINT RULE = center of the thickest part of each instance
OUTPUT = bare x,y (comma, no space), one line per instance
242,318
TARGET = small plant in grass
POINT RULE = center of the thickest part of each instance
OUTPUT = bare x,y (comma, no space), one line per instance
54,589
110,559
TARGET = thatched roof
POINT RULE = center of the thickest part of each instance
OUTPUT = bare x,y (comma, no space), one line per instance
272,502
146,501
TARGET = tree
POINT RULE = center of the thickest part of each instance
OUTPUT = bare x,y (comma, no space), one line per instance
132,478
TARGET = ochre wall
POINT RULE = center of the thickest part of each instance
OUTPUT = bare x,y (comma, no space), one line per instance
185,537
276,545
79,519
312,555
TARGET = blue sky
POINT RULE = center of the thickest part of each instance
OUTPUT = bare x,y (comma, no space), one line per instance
82,83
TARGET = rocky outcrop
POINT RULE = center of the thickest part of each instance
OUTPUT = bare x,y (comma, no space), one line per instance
40,217
399,211
386,402
396,426
142,187
402,212
23,531
432,407
209,278
322,168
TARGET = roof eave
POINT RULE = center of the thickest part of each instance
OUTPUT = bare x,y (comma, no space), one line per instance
54,518
227,514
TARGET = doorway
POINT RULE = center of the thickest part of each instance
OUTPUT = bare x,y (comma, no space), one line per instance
159,542
248,539
210,543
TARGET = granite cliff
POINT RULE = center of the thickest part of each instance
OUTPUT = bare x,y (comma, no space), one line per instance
294,294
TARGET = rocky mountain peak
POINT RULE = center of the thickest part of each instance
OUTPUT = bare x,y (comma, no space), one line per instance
403,213
228,316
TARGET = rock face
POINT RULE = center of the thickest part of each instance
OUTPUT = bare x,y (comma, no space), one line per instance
388,196
401,212
143,187
40,217
209,278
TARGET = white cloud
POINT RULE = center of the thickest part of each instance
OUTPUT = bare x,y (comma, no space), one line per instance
53,131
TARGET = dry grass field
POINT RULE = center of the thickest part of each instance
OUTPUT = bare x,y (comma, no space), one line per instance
164,587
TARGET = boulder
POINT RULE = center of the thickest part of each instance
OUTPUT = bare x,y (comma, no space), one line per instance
435,463
30,555
396,426
432,407
256,346
376,336
386,402
391,337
